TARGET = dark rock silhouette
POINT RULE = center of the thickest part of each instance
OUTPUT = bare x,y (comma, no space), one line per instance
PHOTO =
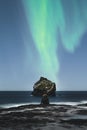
44,86
45,100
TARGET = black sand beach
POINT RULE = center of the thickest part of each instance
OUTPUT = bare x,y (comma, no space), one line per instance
39,117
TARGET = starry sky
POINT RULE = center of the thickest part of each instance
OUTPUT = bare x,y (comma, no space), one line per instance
43,38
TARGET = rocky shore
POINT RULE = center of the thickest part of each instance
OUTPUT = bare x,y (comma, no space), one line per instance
39,117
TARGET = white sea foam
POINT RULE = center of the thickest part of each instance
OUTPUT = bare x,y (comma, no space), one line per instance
36,103
12,105
16,105
65,103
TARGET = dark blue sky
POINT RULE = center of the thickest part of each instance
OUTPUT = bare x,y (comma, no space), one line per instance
18,68
73,67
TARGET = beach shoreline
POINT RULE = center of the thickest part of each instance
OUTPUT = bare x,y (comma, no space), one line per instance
40,117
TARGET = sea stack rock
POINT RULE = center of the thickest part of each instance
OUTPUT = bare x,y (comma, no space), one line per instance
44,86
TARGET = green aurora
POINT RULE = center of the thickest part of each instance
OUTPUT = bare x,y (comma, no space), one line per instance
45,19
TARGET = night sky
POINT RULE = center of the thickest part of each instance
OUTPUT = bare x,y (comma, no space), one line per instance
43,38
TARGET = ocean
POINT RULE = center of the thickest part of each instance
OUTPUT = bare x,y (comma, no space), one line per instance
17,98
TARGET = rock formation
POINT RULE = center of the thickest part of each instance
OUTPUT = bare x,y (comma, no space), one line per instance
44,86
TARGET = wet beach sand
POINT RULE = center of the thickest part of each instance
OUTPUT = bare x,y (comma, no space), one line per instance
39,117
